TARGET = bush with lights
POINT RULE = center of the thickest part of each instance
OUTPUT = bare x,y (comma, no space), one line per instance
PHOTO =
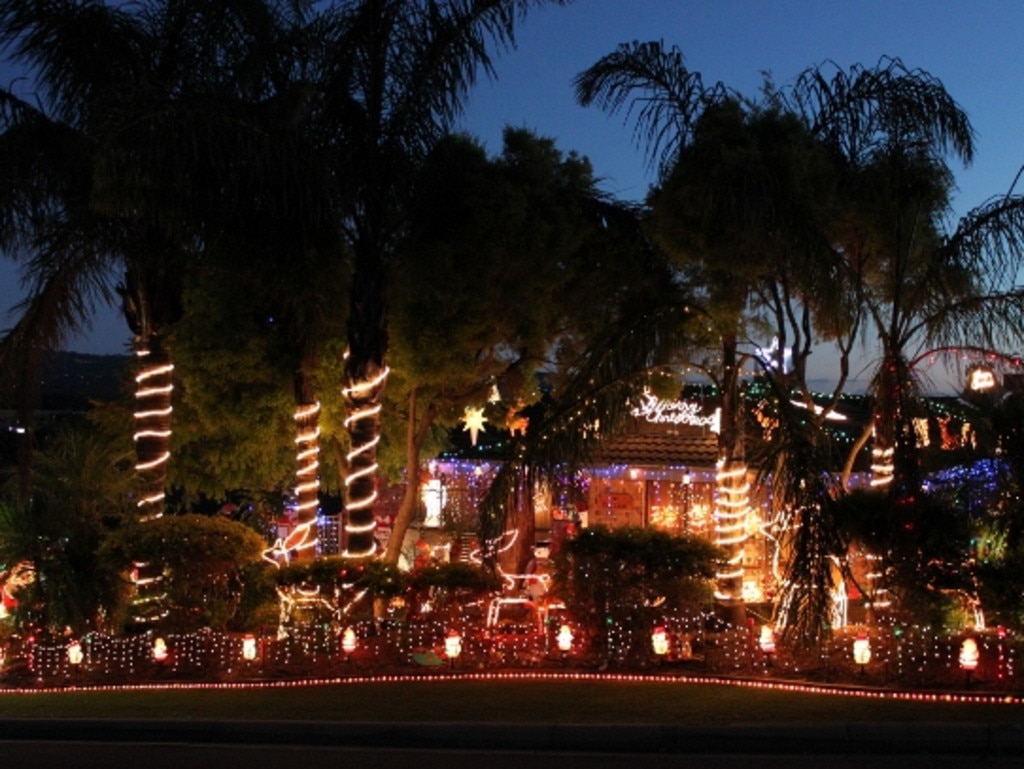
619,584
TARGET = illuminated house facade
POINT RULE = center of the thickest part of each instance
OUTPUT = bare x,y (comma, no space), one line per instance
660,472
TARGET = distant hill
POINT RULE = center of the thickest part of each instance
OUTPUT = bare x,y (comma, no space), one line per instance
70,380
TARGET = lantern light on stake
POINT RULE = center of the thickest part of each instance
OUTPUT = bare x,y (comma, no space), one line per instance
862,650
249,647
159,650
452,646
348,642
659,641
767,642
564,639
969,654
969,657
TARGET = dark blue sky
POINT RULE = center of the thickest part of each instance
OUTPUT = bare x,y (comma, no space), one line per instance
974,48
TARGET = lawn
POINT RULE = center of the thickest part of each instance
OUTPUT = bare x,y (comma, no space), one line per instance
438,699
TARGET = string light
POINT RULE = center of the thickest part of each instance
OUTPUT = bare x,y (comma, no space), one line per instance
303,539
881,466
362,459
151,437
732,505
976,698
152,433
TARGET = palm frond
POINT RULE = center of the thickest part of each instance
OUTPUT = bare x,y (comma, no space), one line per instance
862,109
596,398
655,88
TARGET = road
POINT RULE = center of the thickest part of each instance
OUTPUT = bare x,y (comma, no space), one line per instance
174,744
37,755
28,754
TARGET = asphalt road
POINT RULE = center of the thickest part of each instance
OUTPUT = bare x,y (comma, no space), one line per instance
27,754
148,744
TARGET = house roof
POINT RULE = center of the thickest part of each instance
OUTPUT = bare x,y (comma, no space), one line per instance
679,448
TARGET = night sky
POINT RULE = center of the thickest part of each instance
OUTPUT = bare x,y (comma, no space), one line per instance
974,48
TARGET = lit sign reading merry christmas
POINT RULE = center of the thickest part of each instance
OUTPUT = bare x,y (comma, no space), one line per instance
665,412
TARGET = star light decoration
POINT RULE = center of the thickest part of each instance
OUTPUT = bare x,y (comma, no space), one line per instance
474,419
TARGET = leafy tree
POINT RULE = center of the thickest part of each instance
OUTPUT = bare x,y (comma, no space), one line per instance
487,282
630,577
235,399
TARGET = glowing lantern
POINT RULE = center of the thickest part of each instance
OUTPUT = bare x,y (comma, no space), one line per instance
348,642
452,646
862,650
659,640
249,647
969,654
564,639
160,650
767,641
75,655
969,657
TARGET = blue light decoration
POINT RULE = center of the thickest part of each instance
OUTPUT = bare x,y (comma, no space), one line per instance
980,481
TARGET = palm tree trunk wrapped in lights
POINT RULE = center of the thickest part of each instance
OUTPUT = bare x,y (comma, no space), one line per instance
363,397
148,311
732,504
153,388
307,478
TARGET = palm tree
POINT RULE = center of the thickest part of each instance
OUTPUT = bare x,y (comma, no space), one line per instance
867,115
670,103
891,130
87,192
67,209
748,203
393,77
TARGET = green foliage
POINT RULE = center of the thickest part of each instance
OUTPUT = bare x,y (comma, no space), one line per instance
457,579
381,580
80,492
925,544
203,560
630,577
234,400
478,289
449,588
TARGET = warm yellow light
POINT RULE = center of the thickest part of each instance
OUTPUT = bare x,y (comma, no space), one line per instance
474,419
969,655
862,649
348,640
75,655
249,647
564,638
452,645
659,640
160,650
